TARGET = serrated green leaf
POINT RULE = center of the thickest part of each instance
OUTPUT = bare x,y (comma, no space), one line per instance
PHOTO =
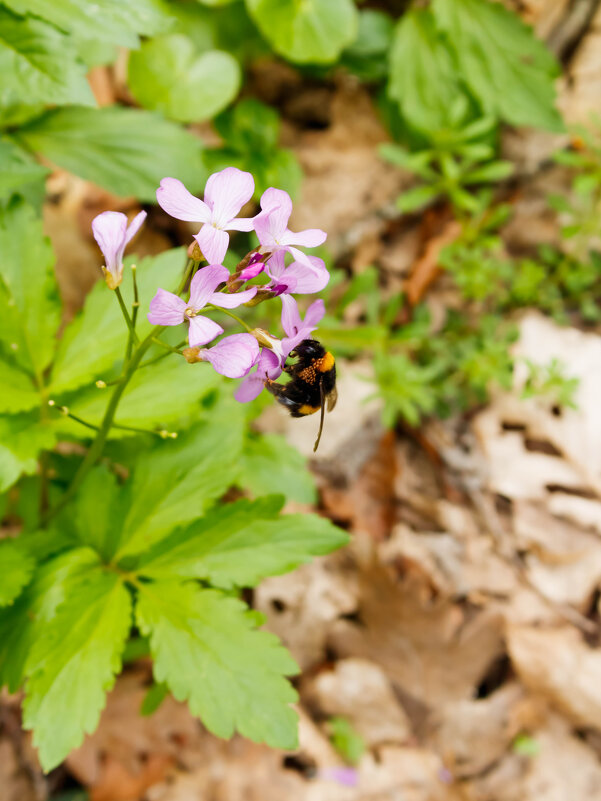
157,397
79,359
22,623
125,150
38,62
17,391
103,20
97,515
179,480
508,69
29,304
422,76
17,168
207,650
169,75
271,464
307,32
242,543
74,663
16,567
22,437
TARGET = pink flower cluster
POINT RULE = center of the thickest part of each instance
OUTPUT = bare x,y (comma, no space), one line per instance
226,192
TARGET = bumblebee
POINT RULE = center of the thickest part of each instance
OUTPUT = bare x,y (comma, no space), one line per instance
312,387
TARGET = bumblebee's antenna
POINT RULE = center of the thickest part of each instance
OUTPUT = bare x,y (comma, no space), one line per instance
321,414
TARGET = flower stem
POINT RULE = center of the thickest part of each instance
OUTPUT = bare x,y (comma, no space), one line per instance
97,445
126,317
134,314
229,314
64,410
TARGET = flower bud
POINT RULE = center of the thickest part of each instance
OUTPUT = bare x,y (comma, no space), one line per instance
191,355
264,338
262,294
194,252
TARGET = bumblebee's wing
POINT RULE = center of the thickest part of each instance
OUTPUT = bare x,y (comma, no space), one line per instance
331,399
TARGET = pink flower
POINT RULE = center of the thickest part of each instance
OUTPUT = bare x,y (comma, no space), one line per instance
225,194
297,277
112,233
270,363
271,226
232,356
169,309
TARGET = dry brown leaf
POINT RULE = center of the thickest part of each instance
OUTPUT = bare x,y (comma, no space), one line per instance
426,269
559,665
358,690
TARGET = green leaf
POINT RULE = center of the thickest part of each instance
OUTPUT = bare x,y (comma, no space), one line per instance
156,397
17,391
98,512
73,664
271,464
418,196
29,305
17,168
16,567
38,62
508,69
153,699
167,74
242,543
105,20
178,481
22,624
125,150
22,437
422,78
306,32
348,742
79,360
493,171
207,650
366,56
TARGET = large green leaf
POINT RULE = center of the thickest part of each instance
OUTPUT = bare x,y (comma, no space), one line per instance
73,663
17,168
97,515
106,20
242,543
306,32
208,652
422,77
507,68
179,480
22,624
125,150
271,464
17,391
22,437
157,397
169,75
38,62
80,359
29,305
16,567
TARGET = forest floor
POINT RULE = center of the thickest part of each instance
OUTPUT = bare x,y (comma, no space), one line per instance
460,631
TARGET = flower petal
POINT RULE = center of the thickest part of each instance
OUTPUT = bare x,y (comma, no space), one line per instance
213,243
226,192
268,366
109,231
233,356
134,226
271,225
306,281
273,198
227,301
204,284
309,238
174,198
240,224
314,314
203,330
291,319
166,309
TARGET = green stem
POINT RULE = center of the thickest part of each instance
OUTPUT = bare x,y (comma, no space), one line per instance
134,314
126,317
229,314
64,410
97,446
165,346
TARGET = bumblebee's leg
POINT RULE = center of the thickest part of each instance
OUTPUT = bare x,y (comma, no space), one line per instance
277,390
